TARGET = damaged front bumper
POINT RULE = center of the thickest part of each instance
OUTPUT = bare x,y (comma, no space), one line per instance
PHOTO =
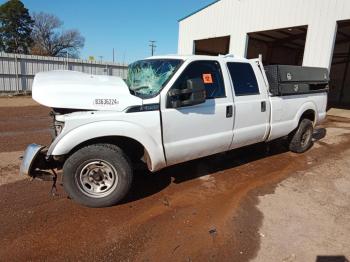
35,162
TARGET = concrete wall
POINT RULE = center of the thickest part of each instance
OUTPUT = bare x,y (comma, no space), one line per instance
239,17
17,71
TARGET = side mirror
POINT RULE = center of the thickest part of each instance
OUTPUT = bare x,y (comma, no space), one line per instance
193,94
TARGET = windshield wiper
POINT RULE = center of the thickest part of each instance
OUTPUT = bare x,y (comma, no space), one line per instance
140,87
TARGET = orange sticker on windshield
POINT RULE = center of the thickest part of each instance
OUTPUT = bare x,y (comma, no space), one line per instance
207,79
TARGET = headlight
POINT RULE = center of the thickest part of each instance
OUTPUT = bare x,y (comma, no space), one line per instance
58,126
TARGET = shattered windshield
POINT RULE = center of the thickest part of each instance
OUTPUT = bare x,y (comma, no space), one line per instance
147,77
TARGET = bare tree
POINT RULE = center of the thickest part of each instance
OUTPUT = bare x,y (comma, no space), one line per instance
51,40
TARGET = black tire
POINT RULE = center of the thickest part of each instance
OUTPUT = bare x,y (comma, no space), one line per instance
301,139
100,167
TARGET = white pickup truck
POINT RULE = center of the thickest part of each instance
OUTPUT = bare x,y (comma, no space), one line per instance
169,110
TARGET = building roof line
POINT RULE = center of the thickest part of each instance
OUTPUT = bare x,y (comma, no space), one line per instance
197,11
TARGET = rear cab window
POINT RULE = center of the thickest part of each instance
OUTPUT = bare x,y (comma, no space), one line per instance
243,79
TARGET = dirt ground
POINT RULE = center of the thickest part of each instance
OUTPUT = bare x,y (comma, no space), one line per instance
260,203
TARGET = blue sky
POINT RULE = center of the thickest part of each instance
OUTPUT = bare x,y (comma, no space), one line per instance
125,25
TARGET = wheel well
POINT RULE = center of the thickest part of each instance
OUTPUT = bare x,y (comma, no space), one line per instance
309,114
132,148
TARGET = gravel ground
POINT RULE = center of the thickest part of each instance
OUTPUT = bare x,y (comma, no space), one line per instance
258,203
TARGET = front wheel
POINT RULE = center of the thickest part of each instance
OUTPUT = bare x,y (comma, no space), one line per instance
301,139
97,175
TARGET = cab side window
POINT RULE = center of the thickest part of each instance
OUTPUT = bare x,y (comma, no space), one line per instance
209,72
243,79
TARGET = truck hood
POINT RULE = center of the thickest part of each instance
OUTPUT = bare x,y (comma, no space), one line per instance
76,90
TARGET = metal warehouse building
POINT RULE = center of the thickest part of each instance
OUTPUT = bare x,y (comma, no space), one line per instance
293,32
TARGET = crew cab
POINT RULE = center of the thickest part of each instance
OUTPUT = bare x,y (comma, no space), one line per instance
169,110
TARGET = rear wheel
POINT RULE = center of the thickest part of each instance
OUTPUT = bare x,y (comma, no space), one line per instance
301,139
97,175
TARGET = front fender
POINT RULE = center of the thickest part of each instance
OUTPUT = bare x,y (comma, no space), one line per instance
151,142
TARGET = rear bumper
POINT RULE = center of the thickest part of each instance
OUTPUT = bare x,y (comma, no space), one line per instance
32,156
321,118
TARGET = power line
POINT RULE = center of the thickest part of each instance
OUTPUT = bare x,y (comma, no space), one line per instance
153,46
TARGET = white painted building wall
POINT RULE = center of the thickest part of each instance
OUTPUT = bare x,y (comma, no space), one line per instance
239,17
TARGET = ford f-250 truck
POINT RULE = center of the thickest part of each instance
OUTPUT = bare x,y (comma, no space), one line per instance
169,110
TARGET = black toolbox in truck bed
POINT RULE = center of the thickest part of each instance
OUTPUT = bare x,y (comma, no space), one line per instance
293,80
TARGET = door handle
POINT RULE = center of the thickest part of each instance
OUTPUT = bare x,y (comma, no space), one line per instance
263,106
229,111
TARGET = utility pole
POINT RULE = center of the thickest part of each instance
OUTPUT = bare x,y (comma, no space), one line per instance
124,54
113,54
153,46
101,57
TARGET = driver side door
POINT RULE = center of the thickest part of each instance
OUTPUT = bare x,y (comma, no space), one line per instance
195,131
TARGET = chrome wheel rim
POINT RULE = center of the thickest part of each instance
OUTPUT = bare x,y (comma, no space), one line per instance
305,139
97,179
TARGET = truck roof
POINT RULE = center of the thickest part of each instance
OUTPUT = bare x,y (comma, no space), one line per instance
200,57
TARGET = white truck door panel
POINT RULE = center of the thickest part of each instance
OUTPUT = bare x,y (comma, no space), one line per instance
200,130
196,131
252,105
